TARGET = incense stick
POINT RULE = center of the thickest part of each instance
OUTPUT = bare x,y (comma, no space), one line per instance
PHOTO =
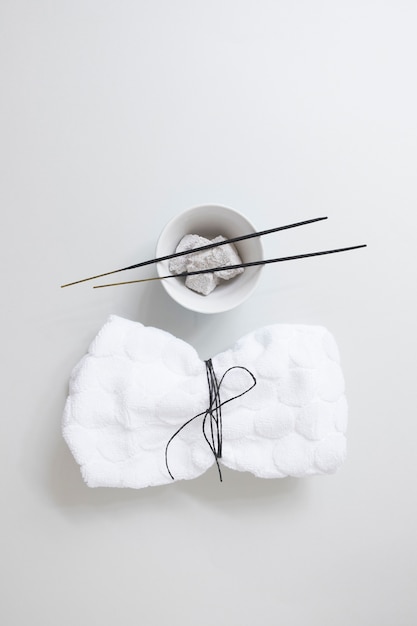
232,267
260,233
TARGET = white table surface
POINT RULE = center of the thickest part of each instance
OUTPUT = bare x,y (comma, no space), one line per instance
115,116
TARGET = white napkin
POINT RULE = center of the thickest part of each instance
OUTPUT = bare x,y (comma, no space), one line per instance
138,385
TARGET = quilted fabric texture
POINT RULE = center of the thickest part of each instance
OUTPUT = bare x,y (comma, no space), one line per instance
138,385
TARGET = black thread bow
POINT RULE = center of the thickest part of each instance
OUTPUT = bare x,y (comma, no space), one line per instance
213,414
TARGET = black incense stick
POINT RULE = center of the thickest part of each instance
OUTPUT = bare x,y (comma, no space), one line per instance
199,249
232,267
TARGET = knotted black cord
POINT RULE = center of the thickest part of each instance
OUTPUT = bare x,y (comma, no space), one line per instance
212,413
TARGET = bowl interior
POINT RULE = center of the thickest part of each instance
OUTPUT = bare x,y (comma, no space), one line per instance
210,221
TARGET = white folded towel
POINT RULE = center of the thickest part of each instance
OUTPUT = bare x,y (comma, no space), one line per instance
137,386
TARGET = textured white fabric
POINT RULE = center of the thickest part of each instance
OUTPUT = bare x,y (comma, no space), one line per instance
137,385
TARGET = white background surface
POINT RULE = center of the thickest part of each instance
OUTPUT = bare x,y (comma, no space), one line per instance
114,117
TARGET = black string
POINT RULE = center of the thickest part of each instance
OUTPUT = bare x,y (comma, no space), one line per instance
213,414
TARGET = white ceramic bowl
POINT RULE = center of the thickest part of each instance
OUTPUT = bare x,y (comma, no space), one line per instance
209,221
